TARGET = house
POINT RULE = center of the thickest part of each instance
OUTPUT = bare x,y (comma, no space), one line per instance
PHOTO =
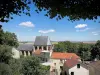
58,59
41,44
16,53
25,49
94,68
75,67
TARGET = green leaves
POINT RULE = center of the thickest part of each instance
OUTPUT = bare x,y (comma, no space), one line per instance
32,66
5,69
5,54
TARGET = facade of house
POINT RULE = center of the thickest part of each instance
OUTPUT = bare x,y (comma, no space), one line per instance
74,67
16,53
59,58
25,49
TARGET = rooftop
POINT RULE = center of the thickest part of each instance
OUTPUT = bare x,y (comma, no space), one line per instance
42,40
59,55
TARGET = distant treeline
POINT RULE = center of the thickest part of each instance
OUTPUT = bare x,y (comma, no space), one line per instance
87,51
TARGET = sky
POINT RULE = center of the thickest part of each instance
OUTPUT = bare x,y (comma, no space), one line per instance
27,28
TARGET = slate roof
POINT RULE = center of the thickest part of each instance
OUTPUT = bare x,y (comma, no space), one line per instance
26,47
94,68
41,40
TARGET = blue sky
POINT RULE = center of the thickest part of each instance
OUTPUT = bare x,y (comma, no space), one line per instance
26,28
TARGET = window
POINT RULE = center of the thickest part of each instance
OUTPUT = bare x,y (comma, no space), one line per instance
44,48
72,73
35,47
30,52
27,53
61,67
40,48
22,52
78,65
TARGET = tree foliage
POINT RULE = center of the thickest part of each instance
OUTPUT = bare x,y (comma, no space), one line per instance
32,66
74,9
8,8
5,69
5,54
81,49
95,52
7,38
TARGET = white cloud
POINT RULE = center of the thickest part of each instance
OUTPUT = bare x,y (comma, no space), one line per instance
96,34
81,26
46,31
82,30
93,32
27,24
30,30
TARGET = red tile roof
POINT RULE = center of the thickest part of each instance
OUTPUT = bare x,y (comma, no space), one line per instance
70,63
59,55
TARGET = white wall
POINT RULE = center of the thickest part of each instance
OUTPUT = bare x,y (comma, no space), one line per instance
58,64
79,71
16,53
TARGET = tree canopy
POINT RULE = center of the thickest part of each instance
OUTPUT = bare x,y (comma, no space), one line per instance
81,49
74,9
8,38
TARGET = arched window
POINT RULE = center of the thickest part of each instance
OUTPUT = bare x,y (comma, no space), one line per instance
30,52
22,52
27,53
44,48
40,47
36,47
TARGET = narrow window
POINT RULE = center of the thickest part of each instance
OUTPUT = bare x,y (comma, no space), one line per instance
78,65
22,52
44,48
72,73
30,52
61,67
27,53
35,48
40,48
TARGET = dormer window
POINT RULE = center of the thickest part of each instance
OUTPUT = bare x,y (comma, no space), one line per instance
78,65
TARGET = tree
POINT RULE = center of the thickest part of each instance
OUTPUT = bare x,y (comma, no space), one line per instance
8,8
74,9
15,65
5,69
7,38
95,52
32,66
10,39
84,51
5,54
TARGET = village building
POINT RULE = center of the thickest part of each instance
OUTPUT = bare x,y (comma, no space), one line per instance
43,49
94,68
59,58
75,67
